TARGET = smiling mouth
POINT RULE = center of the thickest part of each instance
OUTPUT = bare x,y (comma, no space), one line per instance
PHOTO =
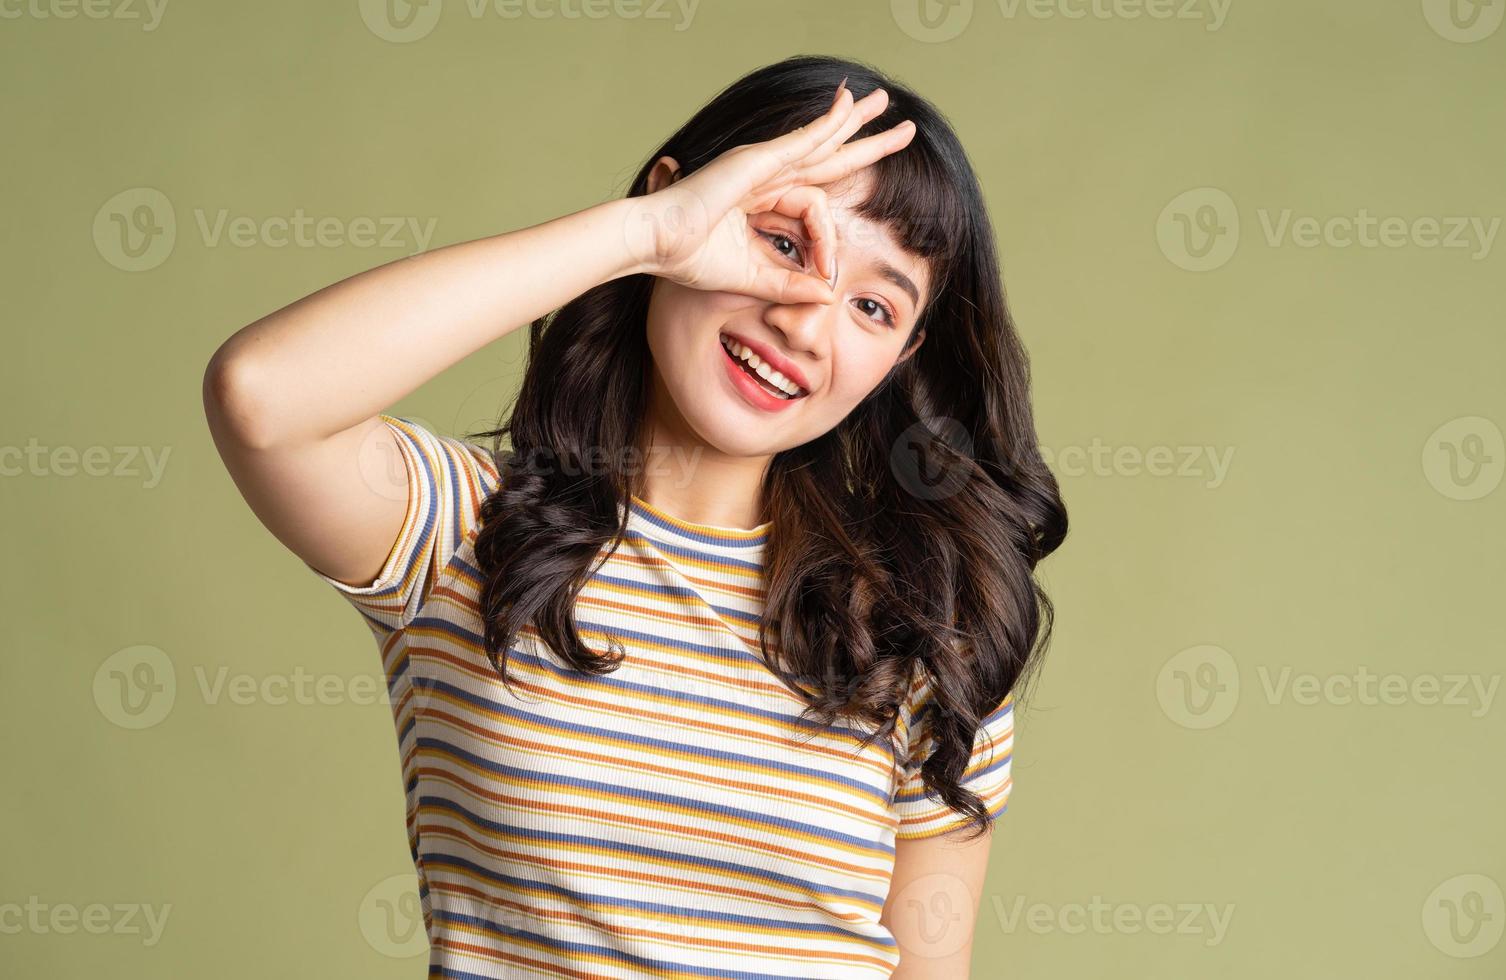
771,381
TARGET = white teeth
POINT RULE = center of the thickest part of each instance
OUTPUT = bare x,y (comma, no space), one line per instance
761,368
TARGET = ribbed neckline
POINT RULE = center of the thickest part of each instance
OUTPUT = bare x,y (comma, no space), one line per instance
712,532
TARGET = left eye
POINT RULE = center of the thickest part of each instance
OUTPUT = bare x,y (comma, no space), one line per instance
886,314
879,308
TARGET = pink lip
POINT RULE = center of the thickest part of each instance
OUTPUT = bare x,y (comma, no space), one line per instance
772,358
751,391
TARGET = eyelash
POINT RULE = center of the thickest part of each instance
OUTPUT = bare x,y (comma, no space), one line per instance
772,235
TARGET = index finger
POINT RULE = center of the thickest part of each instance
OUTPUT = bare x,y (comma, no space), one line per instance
803,140
855,156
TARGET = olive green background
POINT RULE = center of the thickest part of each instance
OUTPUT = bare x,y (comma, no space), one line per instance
1249,753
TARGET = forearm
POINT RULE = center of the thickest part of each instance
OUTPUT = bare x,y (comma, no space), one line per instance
354,348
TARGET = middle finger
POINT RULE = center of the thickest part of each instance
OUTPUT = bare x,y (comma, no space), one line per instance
855,156
870,106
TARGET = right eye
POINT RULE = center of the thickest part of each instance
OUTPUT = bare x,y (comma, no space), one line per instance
777,238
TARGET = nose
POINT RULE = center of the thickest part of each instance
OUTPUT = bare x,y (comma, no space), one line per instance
803,325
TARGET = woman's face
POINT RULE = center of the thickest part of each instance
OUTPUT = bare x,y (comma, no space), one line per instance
836,352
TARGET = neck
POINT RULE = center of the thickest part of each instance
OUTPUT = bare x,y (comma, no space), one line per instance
684,476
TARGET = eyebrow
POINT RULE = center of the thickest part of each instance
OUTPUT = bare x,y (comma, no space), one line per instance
901,280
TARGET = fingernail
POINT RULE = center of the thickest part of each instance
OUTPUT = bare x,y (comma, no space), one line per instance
841,85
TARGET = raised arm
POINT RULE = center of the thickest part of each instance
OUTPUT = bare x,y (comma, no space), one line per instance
293,399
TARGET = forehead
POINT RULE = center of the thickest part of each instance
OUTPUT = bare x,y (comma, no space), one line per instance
863,241
853,230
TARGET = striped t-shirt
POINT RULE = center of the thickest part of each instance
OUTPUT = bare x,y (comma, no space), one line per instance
672,818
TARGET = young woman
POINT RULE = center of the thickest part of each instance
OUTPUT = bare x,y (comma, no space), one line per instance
711,671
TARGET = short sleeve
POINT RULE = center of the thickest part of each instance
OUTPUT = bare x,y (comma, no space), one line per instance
448,480
987,773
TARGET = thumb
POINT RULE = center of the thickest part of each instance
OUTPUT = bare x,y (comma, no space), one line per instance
789,286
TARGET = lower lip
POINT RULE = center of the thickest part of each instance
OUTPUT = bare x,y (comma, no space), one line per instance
753,392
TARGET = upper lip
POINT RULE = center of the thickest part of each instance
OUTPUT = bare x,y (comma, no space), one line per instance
772,358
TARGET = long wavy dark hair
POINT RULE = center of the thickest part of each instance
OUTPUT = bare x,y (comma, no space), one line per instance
905,539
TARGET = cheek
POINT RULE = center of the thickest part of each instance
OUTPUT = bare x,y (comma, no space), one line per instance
861,365
673,315
679,317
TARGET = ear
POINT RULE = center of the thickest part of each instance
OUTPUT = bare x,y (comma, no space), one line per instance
914,344
666,171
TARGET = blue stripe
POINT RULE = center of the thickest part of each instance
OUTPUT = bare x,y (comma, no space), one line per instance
620,685
701,537
800,884
678,592
553,943
919,793
760,763
425,540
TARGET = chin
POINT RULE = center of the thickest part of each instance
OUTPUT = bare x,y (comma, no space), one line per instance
730,435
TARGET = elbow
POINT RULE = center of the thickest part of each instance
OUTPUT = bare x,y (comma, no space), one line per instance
231,406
